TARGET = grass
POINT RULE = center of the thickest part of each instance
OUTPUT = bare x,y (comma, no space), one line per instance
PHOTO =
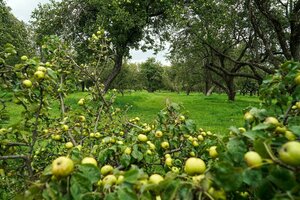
212,113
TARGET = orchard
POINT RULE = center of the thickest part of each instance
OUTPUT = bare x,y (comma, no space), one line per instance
94,151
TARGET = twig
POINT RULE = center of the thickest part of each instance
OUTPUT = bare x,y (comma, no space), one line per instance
98,118
17,144
13,157
136,126
286,115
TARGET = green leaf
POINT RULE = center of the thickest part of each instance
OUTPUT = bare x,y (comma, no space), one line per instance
126,193
236,148
190,125
79,185
227,177
260,148
252,177
262,126
52,73
90,171
169,188
131,176
137,154
253,135
111,196
282,178
185,192
295,130
125,160
264,190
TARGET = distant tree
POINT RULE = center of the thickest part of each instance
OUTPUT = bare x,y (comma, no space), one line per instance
14,32
126,23
129,78
152,72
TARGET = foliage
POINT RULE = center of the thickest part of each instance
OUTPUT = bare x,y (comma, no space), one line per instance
14,32
152,71
147,160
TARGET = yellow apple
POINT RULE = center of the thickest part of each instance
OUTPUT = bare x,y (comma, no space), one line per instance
24,58
253,159
297,79
165,145
169,161
289,153
158,134
213,152
127,151
106,169
69,145
155,179
62,166
109,180
39,75
142,138
89,160
248,117
194,166
27,83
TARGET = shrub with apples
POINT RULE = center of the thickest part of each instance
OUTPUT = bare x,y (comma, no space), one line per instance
93,151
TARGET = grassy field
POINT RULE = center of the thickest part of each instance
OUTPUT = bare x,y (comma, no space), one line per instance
212,113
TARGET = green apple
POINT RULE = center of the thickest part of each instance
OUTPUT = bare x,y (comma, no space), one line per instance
142,138
200,137
43,69
290,135
289,153
182,118
39,75
65,127
106,169
27,83
89,160
297,79
194,166
195,143
213,152
120,179
272,121
158,134
81,118
69,145
81,102
175,170
280,130
109,180
24,58
127,151
248,117
253,159
165,145
62,166
155,179
242,129
169,161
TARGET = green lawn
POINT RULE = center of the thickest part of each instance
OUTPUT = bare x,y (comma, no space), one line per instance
212,113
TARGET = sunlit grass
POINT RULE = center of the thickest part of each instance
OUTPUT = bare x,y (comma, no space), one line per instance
214,113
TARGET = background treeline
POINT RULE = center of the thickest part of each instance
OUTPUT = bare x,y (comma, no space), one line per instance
228,46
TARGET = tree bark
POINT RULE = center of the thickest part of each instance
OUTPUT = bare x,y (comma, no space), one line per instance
117,68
